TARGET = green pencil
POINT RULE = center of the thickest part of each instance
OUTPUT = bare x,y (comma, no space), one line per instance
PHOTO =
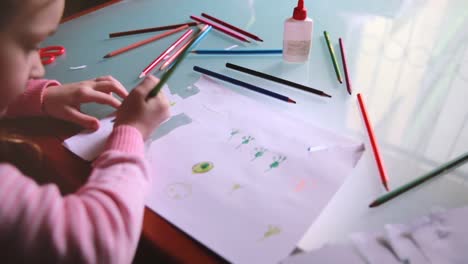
333,57
444,168
200,34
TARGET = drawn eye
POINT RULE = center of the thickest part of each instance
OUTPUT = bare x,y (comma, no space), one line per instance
202,167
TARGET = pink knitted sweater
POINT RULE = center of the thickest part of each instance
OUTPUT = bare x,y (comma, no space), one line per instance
100,223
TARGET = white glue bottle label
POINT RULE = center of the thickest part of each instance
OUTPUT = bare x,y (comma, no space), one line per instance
297,36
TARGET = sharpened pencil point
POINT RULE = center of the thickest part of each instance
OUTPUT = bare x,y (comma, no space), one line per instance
141,75
106,56
291,101
326,95
374,204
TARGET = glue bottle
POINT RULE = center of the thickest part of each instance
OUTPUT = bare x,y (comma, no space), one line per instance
297,36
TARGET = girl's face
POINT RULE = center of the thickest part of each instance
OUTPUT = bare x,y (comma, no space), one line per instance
20,37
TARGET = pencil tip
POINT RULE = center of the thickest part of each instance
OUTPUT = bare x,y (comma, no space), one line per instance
106,56
373,204
326,95
259,39
291,101
141,75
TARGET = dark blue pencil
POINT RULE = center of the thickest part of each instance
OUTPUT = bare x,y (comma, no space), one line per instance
243,84
237,52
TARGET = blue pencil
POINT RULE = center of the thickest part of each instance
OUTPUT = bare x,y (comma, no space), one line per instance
243,84
237,52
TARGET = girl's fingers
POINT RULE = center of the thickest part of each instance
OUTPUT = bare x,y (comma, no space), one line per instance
110,87
147,84
93,96
119,89
75,116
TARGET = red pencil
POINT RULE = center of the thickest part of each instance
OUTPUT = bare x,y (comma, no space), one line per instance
161,57
231,27
345,66
220,28
143,42
373,140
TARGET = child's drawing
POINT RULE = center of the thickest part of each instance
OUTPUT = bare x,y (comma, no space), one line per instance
235,187
178,190
277,160
245,140
233,133
300,186
258,153
272,231
202,167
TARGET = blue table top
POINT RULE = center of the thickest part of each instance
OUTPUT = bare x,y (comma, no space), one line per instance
408,58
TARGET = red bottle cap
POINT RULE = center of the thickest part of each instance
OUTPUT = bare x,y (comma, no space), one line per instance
300,12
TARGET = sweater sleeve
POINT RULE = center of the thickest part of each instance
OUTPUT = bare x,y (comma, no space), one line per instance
30,102
100,223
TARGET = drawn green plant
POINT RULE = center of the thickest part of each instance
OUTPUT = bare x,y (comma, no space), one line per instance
277,160
245,140
259,153
272,231
233,133
202,167
235,187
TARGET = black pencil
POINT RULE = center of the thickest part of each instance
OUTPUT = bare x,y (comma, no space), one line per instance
243,84
276,79
146,30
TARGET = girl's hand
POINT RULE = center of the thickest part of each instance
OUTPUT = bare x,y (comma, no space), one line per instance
64,101
144,115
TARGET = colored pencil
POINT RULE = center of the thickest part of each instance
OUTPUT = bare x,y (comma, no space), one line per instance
171,60
345,66
373,140
143,42
161,57
444,168
333,57
153,29
199,35
250,35
276,79
220,28
243,84
237,52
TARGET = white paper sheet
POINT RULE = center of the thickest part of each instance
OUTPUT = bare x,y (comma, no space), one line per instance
444,236
241,179
374,248
330,254
399,239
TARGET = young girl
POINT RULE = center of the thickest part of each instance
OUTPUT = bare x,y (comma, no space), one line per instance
101,222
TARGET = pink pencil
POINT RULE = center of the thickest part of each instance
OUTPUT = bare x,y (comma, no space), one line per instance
165,53
220,28
345,66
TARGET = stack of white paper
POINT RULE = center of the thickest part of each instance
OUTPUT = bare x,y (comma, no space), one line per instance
437,238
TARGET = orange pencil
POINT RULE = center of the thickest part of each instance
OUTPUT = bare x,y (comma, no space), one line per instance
143,42
373,140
